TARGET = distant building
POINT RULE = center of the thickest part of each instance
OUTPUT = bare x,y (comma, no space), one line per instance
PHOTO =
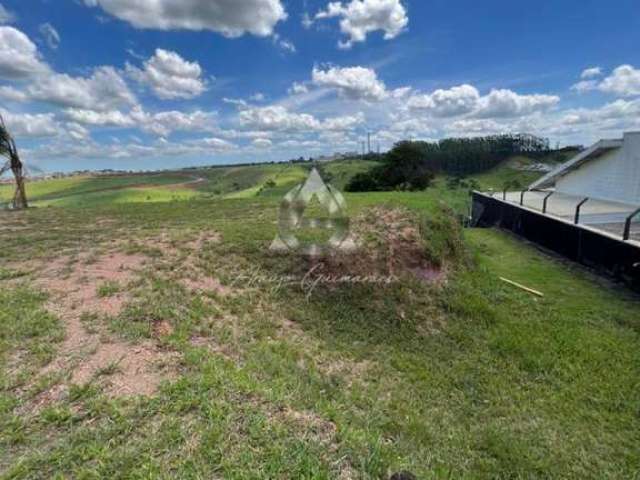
609,170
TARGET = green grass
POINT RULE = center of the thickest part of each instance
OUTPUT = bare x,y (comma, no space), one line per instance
81,185
475,380
240,182
228,182
341,172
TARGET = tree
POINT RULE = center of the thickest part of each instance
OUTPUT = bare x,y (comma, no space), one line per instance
8,149
403,168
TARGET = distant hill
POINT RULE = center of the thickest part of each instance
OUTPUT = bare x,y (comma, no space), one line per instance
244,181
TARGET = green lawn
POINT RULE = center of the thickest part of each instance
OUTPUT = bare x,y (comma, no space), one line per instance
474,379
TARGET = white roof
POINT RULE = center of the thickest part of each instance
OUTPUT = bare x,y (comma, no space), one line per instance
591,153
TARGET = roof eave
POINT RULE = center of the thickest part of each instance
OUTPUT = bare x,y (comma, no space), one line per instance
594,151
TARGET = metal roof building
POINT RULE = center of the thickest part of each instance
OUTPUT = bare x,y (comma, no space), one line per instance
609,170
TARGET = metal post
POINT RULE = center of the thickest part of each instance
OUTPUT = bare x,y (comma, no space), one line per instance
577,219
627,225
504,195
522,197
544,203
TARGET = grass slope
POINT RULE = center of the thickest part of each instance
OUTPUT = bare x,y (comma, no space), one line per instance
474,380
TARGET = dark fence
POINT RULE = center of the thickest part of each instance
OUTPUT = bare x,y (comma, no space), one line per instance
603,253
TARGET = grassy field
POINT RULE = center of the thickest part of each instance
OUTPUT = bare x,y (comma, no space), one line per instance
237,182
197,363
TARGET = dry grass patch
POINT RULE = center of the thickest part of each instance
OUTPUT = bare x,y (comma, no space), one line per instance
93,356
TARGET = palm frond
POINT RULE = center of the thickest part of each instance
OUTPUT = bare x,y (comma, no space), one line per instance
7,145
5,168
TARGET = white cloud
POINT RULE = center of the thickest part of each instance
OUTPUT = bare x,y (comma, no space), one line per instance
360,17
585,86
87,148
620,111
307,22
624,81
77,131
12,94
347,122
262,143
31,125
466,100
505,103
112,118
591,72
238,102
353,82
278,118
50,35
230,18
19,57
284,44
476,127
102,91
215,144
410,128
298,88
401,92
6,16
447,103
161,124
170,76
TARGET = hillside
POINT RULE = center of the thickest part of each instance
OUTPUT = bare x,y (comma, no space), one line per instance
242,182
218,182
146,339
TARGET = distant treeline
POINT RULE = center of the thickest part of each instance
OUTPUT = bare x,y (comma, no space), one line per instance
412,165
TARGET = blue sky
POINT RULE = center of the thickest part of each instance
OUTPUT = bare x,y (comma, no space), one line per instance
170,83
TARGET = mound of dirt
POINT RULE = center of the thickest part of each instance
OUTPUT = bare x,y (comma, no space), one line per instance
389,244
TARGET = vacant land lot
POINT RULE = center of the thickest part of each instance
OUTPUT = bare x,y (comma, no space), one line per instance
151,340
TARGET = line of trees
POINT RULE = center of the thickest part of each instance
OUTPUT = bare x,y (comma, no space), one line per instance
413,165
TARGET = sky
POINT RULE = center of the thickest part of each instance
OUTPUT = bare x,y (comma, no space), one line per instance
154,84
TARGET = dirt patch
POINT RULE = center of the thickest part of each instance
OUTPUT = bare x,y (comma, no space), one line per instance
392,238
92,356
213,346
162,329
183,255
205,284
173,246
308,424
124,369
74,283
52,395
202,239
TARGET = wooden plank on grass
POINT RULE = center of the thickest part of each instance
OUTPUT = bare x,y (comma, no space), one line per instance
522,287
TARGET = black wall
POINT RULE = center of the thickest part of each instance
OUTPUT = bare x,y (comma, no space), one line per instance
602,253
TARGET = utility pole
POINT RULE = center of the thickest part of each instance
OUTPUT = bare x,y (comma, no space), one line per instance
368,142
